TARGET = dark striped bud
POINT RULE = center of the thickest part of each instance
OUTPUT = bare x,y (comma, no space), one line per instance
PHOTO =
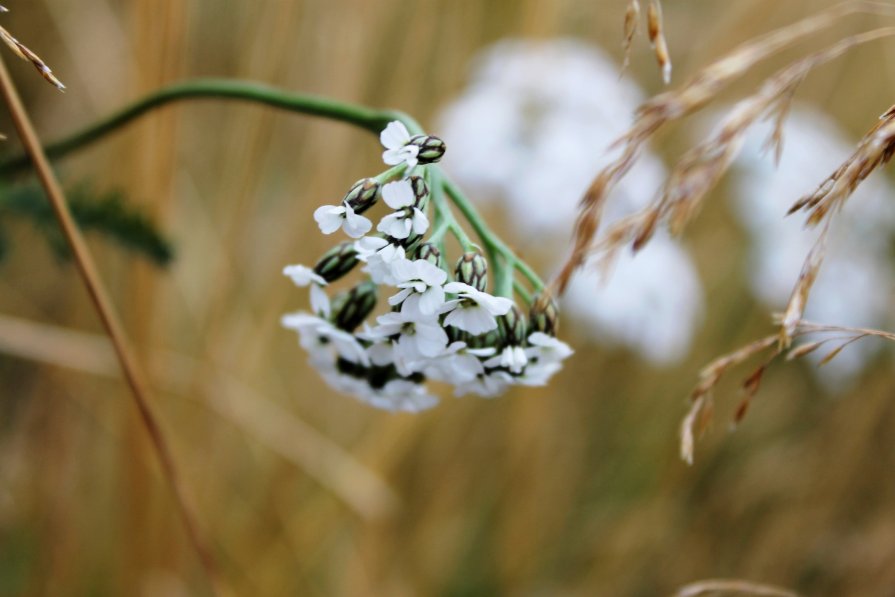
492,339
420,191
429,252
513,327
337,262
351,308
431,148
544,314
362,195
472,269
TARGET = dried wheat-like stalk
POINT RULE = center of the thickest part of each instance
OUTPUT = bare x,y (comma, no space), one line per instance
700,413
874,150
22,51
656,30
695,94
738,587
632,21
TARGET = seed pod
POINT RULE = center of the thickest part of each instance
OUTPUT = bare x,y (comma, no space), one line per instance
431,148
362,195
351,308
472,269
544,314
429,252
513,327
420,191
337,262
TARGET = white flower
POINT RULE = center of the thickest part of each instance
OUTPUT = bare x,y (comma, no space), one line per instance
304,276
396,140
474,311
485,385
513,358
407,219
418,337
332,217
400,395
381,258
537,374
546,349
319,337
458,364
422,287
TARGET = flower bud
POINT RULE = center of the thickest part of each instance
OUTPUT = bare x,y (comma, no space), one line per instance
431,148
513,327
337,262
492,339
429,252
420,191
351,308
362,195
472,269
544,314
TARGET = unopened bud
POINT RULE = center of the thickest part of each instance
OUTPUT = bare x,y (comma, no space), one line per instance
337,262
544,314
420,191
431,148
429,252
472,269
362,195
492,339
513,327
351,308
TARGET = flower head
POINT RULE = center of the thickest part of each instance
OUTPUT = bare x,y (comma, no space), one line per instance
474,311
381,257
408,218
398,149
421,284
332,217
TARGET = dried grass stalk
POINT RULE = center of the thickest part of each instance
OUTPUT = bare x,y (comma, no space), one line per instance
875,149
632,21
700,413
740,587
656,30
695,94
23,52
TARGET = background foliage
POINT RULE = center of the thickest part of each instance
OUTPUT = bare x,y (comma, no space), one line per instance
573,489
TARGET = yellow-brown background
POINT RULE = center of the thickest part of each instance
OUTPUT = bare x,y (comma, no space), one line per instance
575,489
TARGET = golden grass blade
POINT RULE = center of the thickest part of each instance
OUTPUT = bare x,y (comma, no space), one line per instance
798,300
632,22
22,51
360,488
656,29
739,587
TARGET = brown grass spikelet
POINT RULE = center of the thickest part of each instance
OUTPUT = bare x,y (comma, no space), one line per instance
632,21
656,30
699,414
875,149
23,52
701,167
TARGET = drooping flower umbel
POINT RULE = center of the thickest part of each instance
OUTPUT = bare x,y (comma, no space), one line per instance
442,326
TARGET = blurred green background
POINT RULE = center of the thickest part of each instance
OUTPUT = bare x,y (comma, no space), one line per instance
574,489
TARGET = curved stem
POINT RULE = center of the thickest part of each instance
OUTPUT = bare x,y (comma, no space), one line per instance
366,118
492,243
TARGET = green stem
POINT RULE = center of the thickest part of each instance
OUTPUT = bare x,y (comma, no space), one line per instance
492,243
366,118
363,117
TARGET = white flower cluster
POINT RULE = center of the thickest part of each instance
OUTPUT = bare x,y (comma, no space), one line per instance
439,328
530,130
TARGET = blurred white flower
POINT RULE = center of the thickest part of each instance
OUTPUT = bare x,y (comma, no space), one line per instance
473,311
532,130
856,283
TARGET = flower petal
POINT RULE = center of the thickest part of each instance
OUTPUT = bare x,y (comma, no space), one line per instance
398,194
395,135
